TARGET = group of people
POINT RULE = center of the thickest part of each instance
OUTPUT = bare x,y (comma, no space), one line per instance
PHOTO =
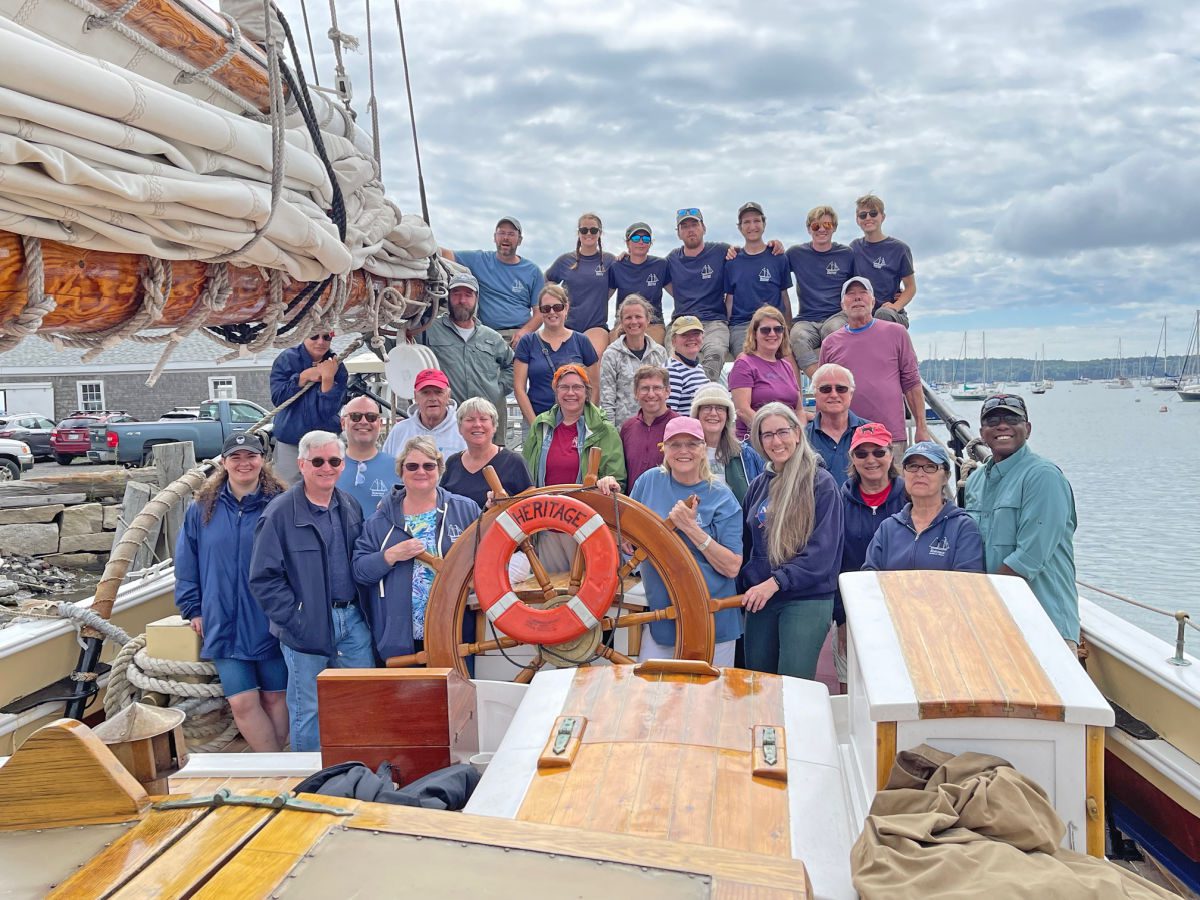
321,558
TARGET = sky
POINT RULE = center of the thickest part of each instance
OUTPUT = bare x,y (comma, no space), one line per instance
1041,159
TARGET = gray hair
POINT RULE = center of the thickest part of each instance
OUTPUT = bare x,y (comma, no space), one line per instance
832,369
728,445
476,405
422,444
315,439
791,505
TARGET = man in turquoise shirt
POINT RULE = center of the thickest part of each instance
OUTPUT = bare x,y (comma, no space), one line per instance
1025,510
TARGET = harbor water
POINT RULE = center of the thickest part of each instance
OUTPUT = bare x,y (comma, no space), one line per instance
1136,475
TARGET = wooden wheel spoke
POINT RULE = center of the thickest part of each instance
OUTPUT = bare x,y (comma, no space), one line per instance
614,656
526,674
434,562
576,571
402,662
637,619
539,571
502,643
639,557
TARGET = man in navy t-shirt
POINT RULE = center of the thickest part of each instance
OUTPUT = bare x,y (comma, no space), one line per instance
821,267
886,262
754,278
508,285
697,273
637,272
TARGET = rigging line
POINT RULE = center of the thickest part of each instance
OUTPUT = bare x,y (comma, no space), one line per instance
312,54
373,103
412,114
337,37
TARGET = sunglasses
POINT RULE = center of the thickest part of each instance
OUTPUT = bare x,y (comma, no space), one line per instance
588,229
878,453
552,308
873,213
417,467
1003,400
830,388
322,336
1004,418
927,468
359,416
821,226
770,329
318,462
688,212
640,238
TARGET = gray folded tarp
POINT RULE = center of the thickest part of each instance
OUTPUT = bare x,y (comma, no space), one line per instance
448,788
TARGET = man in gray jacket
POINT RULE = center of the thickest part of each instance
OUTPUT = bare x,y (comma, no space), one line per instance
476,359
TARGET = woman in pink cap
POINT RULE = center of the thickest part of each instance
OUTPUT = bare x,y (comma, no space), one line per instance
711,530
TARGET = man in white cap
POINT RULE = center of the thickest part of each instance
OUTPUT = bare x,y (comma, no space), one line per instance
884,363
433,415
477,361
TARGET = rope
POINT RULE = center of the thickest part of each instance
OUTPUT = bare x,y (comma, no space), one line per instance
37,303
112,18
233,42
372,104
82,617
312,54
341,39
217,290
412,113
968,463
1177,616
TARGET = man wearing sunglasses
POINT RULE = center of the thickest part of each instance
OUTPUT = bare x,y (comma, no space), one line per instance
433,415
1025,510
832,430
368,473
311,362
886,261
301,576
508,284
637,272
820,267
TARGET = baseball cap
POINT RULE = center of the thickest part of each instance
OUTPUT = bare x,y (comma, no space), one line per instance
684,324
860,279
242,441
871,433
511,220
431,378
1008,402
682,215
683,425
750,206
462,279
932,451
635,228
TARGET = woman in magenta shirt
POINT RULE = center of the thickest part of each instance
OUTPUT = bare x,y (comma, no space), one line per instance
764,372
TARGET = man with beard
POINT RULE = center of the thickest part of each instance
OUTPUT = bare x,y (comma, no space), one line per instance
509,284
476,359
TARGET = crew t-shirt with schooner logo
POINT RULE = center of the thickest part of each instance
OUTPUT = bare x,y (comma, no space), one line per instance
884,263
698,282
506,292
819,279
754,280
647,279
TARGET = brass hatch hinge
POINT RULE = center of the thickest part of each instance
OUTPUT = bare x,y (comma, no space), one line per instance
226,797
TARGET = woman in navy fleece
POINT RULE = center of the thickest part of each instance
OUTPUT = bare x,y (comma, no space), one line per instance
930,532
793,547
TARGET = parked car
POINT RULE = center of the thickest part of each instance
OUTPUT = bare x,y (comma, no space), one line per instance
31,428
70,439
15,458
181,412
132,444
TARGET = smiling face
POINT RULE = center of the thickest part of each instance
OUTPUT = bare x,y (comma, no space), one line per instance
477,429
768,335
713,417
651,395
634,320
1004,433
691,232
688,344
858,304
243,468
922,485
589,234
507,239
462,304
683,454
779,439
432,402
638,250
363,434
822,229
833,403
552,316
870,467
321,479
571,394
870,220
317,345
752,225
425,477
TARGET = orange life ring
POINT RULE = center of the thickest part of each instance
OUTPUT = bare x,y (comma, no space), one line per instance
583,611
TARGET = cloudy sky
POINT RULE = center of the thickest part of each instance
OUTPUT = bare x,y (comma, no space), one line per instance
1042,159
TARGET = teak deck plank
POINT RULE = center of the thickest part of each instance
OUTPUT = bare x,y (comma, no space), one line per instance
943,628
654,807
584,783
613,807
695,792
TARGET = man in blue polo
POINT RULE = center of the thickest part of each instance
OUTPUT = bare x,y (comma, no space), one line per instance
1025,510
697,272
508,285
754,277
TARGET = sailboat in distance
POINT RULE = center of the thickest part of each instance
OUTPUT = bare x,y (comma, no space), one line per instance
966,390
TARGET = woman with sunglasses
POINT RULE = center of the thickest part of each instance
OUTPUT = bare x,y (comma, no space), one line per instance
794,530
633,349
310,362
731,461
636,271
930,532
418,516
764,372
584,274
477,423
541,354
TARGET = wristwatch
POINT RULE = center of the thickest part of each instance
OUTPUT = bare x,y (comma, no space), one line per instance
704,546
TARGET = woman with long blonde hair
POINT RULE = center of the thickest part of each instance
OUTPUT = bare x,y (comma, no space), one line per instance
793,517
585,274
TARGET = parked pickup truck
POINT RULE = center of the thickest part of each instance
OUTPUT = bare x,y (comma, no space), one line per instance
132,443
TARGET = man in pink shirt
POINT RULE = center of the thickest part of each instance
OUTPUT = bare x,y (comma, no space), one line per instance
881,356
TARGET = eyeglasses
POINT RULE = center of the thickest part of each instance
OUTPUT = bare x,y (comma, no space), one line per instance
359,416
770,329
830,388
776,435
552,308
1003,418
1003,400
873,213
640,238
710,408
688,212
321,336
417,467
572,388
821,226
317,462
927,468
878,453
588,229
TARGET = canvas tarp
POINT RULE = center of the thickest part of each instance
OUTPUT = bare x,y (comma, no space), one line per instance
972,826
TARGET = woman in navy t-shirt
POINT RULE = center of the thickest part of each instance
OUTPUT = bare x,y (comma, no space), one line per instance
539,355
584,274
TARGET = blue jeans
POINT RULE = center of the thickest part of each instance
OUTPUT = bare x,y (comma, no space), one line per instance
785,636
352,650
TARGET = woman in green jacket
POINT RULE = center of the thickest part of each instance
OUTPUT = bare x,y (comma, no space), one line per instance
559,439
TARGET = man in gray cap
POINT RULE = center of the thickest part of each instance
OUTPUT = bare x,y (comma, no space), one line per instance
476,359
508,285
